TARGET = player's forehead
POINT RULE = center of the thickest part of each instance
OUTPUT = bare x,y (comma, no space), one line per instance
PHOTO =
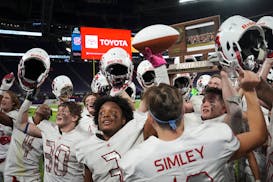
62,108
90,98
211,96
109,105
215,80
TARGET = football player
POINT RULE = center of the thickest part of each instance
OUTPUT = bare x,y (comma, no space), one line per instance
59,141
205,148
120,132
25,152
9,103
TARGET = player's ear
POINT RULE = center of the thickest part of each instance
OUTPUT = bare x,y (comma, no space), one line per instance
123,120
152,121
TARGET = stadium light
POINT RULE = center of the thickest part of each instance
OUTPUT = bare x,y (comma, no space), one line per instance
193,1
16,32
186,1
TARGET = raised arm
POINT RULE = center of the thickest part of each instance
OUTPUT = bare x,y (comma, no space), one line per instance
22,120
232,102
257,133
7,82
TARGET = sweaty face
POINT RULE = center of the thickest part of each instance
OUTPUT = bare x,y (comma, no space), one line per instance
89,104
64,118
110,119
215,83
212,107
6,103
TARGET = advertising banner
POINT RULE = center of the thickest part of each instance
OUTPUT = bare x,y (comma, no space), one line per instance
97,41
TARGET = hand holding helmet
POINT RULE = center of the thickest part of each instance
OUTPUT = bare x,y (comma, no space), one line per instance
117,67
7,81
32,94
241,40
156,59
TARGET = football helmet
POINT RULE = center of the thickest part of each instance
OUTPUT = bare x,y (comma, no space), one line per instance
202,82
269,77
33,68
117,67
131,90
100,85
241,40
266,23
145,74
182,82
62,87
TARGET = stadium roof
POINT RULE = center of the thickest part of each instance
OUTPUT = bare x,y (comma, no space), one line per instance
60,16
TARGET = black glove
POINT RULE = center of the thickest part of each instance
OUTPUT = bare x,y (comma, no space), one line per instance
32,95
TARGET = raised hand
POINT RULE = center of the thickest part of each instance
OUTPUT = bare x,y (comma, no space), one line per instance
32,95
7,81
156,59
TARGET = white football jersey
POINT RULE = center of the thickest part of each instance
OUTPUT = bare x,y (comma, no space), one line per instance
5,135
101,157
23,156
60,162
86,124
199,154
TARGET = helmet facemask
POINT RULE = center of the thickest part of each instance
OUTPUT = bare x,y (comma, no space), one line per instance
269,40
148,78
66,91
182,83
117,75
252,50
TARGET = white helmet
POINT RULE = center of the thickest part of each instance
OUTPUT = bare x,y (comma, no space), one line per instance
182,82
266,23
100,85
270,76
117,67
145,74
202,82
191,58
33,68
241,40
131,90
62,86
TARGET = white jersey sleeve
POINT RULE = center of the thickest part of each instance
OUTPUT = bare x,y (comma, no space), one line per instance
60,162
23,157
197,155
86,124
101,157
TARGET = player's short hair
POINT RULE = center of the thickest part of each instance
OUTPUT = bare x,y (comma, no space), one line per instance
165,102
14,99
216,75
216,91
124,105
74,108
88,94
